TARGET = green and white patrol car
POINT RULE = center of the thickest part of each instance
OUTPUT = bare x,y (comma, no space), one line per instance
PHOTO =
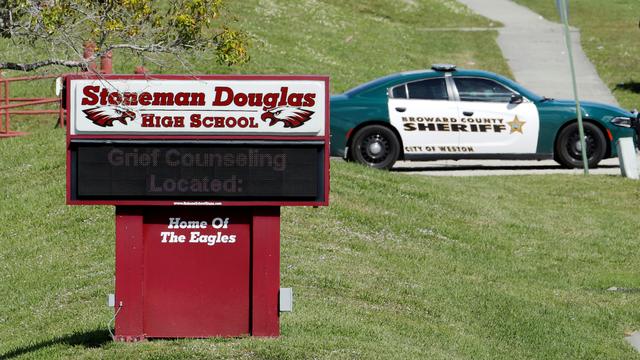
446,113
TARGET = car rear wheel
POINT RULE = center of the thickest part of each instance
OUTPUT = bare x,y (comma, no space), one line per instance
568,149
375,146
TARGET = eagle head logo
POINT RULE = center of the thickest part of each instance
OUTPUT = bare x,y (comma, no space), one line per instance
104,116
292,117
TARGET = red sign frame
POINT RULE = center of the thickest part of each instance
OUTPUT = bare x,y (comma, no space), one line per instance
324,138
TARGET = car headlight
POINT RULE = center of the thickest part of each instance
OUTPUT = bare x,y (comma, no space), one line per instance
622,121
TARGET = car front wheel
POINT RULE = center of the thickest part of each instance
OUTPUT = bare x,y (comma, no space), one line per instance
375,146
568,151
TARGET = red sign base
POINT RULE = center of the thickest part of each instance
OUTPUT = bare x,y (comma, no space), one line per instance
196,272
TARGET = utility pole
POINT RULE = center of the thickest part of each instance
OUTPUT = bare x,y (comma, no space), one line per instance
564,15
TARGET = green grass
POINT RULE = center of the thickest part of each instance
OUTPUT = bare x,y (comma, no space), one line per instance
398,266
611,39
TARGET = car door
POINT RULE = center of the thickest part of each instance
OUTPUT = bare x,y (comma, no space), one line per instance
422,112
495,118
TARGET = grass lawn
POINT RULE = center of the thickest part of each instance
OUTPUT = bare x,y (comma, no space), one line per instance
398,267
611,39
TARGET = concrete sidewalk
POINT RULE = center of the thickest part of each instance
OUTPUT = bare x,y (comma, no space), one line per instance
536,52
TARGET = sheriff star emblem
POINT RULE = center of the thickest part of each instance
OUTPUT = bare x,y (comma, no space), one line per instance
516,125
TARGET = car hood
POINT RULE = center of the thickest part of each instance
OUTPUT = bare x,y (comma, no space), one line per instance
587,106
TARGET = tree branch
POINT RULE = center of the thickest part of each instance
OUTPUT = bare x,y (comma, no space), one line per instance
146,48
43,63
154,48
142,27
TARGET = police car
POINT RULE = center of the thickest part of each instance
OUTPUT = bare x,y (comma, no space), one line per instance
445,113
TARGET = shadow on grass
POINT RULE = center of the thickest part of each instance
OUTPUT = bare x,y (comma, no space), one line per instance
632,86
88,339
454,168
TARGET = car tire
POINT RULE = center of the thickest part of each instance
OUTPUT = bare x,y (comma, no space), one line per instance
567,147
376,146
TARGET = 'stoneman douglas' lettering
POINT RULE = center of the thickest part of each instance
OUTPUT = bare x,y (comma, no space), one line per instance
223,96
93,95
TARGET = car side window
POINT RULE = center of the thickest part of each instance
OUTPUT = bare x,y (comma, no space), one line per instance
429,89
485,90
399,92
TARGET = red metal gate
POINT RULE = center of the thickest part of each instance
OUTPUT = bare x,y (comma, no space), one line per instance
15,106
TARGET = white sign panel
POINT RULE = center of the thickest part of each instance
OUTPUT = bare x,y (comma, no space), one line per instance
191,106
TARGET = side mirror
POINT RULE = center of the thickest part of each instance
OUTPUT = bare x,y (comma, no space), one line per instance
516,99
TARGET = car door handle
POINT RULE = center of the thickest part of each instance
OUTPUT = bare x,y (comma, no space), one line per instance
467,113
401,109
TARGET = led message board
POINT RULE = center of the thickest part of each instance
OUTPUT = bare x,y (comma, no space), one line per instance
206,140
